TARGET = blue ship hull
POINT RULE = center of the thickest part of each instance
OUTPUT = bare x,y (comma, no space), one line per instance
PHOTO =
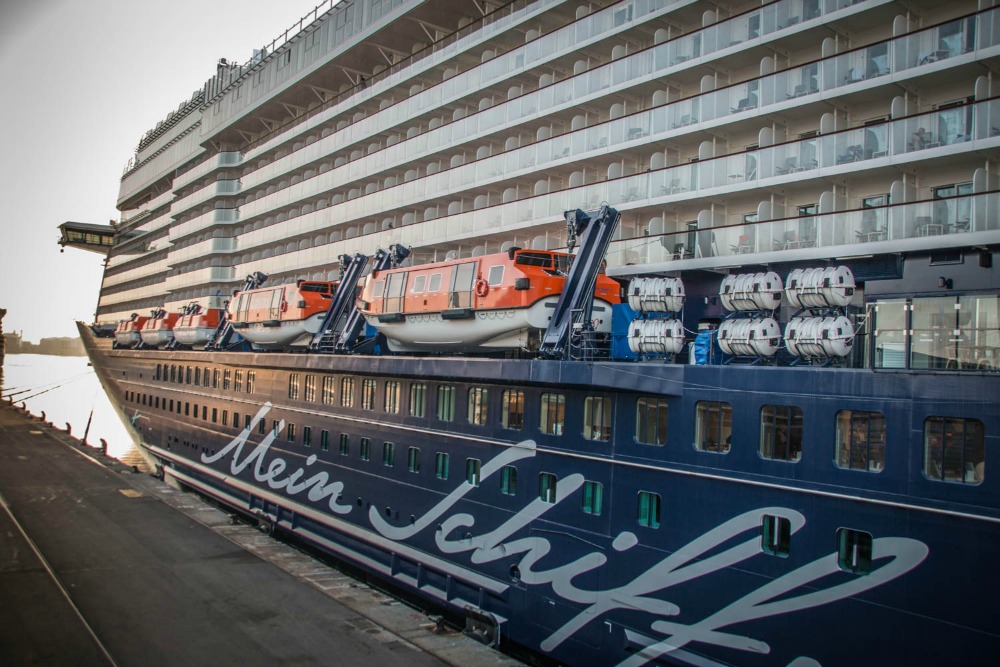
534,571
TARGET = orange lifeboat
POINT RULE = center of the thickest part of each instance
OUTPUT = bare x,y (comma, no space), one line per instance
196,327
495,302
128,333
158,331
282,316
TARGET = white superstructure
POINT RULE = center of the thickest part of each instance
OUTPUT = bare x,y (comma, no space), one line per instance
727,134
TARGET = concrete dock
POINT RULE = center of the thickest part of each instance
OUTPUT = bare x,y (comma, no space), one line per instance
100,565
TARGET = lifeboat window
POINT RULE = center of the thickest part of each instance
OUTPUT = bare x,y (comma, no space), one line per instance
781,432
529,258
307,436
310,394
650,421
419,283
345,444
368,394
413,459
860,440
251,376
227,378
324,440
290,432
495,277
347,392
547,487
713,426
328,389
473,471
775,535
649,509
461,286
508,480
593,498
553,414
597,418
388,454
237,380
854,551
323,288
441,465
378,288
434,285
446,403
395,288
293,386
954,450
478,406
365,448
418,399
512,409
391,403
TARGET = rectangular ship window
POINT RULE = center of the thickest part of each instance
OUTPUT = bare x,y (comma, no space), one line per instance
413,459
781,432
593,498
478,406
237,380
775,535
310,388
391,400
368,394
293,386
366,449
227,377
512,409
324,440
860,440
307,436
651,421
553,414
251,377
473,469
418,399
713,426
954,450
547,487
347,392
446,403
441,465
649,509
388,454
345,444
854,551
289,432
508,480
597,418
328,389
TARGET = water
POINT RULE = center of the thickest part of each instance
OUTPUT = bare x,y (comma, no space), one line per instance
68,391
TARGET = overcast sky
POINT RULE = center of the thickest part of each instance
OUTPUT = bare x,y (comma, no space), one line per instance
80,83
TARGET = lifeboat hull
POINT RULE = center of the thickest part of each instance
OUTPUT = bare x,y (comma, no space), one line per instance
128,338
278,334
476,330
157,337
195,337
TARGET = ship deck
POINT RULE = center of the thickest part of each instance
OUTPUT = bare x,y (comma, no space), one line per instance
105,566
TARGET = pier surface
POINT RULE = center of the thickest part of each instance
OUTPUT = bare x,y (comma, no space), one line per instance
103,566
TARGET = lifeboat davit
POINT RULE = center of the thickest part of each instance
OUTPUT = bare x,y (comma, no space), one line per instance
197,327
495,302
158,331
128,333
273,318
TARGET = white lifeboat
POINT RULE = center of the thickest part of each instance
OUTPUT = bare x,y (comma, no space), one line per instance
828,287
819,337
756,337
656,295
656,336
158,331
275,318
751,291
128,333
197,327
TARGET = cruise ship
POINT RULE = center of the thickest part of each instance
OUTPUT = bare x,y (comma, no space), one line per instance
622,333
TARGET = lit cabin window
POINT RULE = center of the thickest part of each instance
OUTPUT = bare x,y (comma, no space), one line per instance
251,377
328,388
391,402
478,406
495,277
237,380
434,285
597,418
293,386
781,432
860,440
368,394
418,399
347,392
227,378
713,426
553,414
651,421
954,450
512,409
310,388
419,284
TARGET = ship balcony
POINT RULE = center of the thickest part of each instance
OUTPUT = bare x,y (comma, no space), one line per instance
207,276
921,225
224,160
958,130
218,216
779,91
140,271
205,248
152,292
204,195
